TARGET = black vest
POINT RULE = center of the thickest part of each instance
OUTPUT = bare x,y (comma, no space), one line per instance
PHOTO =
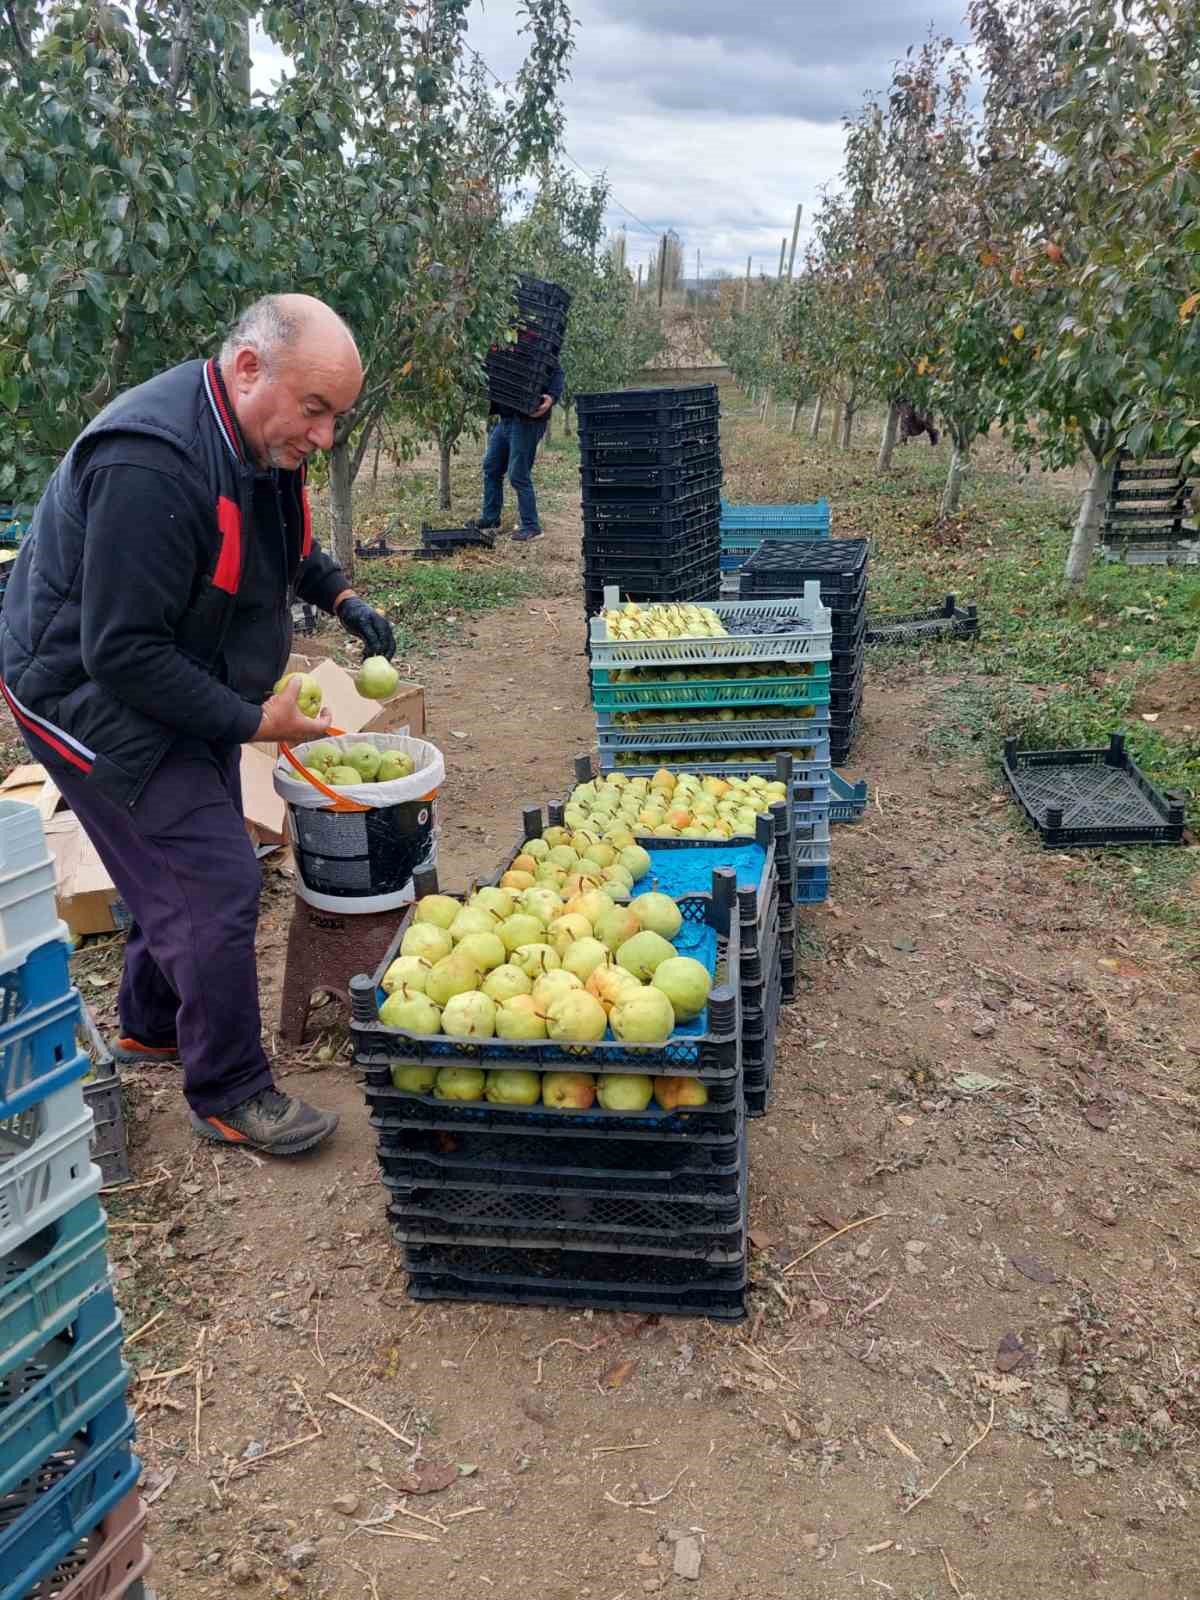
63,714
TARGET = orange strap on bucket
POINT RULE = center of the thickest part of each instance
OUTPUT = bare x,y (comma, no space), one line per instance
341,802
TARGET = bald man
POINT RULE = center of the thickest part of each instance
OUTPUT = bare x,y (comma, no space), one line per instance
146,620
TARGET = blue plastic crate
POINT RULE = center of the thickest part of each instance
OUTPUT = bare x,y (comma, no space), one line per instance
814,760
810,885
14,523
789,514
848,801
54,1509
50,1395
39,1013
44,1280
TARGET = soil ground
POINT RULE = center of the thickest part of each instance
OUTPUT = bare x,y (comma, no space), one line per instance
987,1080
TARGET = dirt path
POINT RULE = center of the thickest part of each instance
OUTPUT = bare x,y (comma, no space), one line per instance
982,1059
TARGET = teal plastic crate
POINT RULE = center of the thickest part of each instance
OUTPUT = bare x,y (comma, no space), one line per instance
810,514
44,1281
848,801
46,1398
680,738
48,1513
808,685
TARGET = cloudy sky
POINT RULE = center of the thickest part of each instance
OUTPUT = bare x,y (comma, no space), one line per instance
713,118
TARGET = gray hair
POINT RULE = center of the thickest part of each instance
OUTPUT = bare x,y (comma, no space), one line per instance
264,327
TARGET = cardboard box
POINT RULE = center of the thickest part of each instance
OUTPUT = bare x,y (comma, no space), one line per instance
87,900
264,810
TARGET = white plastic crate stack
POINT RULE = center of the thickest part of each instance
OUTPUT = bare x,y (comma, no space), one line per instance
71,1522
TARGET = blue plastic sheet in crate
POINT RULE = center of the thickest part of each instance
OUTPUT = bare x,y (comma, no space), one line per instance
680,872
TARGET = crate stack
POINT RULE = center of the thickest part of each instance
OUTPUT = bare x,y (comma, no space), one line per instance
641,1211
1148,517
840,566
518,373
71,1522
744,527
650,469
736,703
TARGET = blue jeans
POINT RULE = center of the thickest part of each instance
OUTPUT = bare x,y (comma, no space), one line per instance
511,447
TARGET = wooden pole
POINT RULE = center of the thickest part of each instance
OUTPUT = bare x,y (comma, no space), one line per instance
782,253
637,288
746,285
662,269
795,236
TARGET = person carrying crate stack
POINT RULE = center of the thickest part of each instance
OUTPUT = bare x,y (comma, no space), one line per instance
146,619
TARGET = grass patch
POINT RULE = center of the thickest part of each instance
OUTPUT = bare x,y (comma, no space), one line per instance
1054,667
429,600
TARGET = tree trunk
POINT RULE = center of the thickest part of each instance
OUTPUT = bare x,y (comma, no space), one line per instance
443,475
1087,525
766,401
795,416
952,493
378,452
818,410
887,443
847,424
341,506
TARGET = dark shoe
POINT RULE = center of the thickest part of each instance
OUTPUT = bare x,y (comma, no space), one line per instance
482,527
269,1121
132,1052
523,535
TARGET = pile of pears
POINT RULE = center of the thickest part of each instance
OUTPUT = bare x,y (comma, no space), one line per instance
532,961
361,763
671,805
641,623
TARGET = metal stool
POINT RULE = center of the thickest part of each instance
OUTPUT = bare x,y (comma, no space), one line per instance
325,950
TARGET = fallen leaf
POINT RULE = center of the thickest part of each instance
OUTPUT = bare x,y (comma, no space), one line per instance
904,943
1031,1267
1005,1385
875,1549
976,1082
467,1469
1149,716
646,1558
429,1478
792,1428
761,1238
617,1377
945,1006
1098,1117
1010,1353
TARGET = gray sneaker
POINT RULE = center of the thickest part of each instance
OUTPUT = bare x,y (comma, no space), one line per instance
275,1123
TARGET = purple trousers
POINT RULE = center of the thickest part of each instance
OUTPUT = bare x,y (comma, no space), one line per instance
184,866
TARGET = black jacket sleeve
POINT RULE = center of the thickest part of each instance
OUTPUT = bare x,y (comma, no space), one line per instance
556,383
320,579
145,546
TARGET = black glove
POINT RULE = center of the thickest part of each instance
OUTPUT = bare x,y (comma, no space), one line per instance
369,625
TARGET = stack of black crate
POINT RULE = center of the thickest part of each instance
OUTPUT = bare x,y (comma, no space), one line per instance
518,373
777,570
650,464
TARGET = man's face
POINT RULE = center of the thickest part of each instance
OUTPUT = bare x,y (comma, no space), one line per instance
288,407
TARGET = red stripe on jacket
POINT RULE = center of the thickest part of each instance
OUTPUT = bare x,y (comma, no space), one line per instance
229,561
64,750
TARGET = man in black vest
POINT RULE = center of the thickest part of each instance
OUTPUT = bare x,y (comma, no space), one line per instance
146,620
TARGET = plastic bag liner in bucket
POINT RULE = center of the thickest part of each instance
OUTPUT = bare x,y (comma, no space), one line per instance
363,860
